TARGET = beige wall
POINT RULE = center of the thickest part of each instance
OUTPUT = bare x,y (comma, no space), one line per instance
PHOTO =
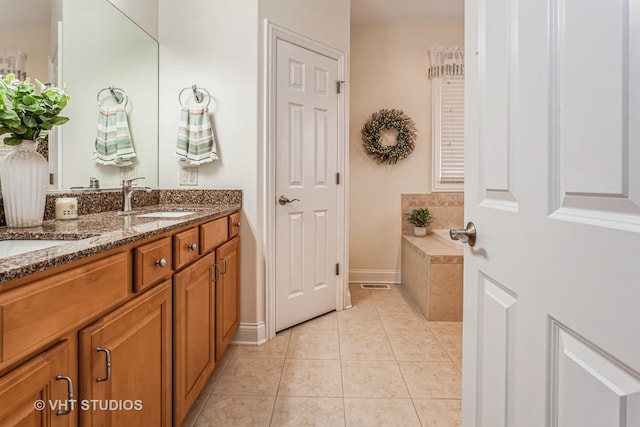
214,44
34,41
389,70
218,45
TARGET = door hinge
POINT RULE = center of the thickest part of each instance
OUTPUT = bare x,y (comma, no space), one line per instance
338,178
337,269
339,86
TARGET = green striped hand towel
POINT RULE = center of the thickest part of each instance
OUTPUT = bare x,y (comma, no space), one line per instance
113,143
196,143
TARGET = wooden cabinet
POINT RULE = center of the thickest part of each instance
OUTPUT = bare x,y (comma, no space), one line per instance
33,315
234,224
137,330
44,379
152,262
213,233
126,357
185,247
194,334
227,294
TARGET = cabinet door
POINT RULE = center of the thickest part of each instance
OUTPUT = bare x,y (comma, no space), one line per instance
227,294
193,341
125,364
39,381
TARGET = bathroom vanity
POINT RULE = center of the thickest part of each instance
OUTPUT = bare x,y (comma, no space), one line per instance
129,317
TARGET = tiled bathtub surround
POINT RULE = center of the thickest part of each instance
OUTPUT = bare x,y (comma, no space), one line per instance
432,277
447,209
431,269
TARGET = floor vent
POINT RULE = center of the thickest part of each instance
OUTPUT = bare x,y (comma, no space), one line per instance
374,286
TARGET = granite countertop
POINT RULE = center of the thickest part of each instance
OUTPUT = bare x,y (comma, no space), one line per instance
99,232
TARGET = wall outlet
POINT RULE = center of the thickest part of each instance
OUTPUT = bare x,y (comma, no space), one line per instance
189,175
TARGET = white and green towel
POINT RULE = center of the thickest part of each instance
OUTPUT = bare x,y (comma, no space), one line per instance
196,143
113,144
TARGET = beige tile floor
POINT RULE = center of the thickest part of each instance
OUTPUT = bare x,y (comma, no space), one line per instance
378,364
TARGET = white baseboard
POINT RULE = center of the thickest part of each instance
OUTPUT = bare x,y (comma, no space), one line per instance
347,300
374,276
250,334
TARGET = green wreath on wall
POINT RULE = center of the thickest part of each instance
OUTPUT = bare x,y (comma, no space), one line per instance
389,119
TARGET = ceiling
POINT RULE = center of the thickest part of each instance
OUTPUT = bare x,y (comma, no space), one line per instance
362,11
387,11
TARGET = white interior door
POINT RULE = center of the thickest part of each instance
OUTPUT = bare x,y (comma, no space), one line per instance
306,166
552,287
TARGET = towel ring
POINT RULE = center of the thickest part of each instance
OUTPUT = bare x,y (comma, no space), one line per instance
197,95
118,94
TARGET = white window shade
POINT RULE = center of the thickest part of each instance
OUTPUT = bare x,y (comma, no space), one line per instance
448,133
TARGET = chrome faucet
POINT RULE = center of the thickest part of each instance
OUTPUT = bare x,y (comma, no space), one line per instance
127,191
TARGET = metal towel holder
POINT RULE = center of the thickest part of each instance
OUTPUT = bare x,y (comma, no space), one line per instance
118,94
198,94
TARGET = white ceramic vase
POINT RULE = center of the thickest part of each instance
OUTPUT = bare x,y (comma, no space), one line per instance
24,185
420,231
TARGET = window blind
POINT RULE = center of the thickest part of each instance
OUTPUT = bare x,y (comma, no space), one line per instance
452,131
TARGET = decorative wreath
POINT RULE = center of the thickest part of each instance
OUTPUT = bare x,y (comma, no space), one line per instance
389,119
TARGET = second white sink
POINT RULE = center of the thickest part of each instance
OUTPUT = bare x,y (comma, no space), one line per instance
10,248
165,214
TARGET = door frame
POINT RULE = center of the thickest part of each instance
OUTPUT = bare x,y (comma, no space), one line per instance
273,33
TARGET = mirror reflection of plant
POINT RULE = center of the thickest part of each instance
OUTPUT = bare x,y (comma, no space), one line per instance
420,217
27,113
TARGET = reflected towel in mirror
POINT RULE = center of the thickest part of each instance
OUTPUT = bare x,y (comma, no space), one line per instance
113,143
196,143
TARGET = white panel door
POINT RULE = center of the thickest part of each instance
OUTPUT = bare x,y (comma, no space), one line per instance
306,166
552,286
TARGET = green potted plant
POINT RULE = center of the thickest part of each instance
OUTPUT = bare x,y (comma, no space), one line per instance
28,112
420,218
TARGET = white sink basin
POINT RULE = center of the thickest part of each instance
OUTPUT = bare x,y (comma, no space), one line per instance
10,248
164,214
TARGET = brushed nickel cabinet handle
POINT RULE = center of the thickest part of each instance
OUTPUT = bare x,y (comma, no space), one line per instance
160,262
192,247
224,264
69,394
108,364
216,273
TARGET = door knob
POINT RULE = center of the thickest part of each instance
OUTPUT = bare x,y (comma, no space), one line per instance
465,235
283,200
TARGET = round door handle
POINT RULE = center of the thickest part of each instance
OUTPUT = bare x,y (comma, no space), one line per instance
192,247
465,235
284,200
238,224
161,262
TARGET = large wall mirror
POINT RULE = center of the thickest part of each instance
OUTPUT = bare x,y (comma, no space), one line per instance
88,46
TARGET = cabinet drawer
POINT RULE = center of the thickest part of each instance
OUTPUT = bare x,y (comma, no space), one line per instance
185,247
213,234
34,314
152,262
234,224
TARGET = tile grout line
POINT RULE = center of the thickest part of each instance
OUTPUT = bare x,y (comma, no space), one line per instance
344,403
404,381
284,362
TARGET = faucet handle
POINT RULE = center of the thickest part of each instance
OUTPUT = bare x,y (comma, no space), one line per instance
128,182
